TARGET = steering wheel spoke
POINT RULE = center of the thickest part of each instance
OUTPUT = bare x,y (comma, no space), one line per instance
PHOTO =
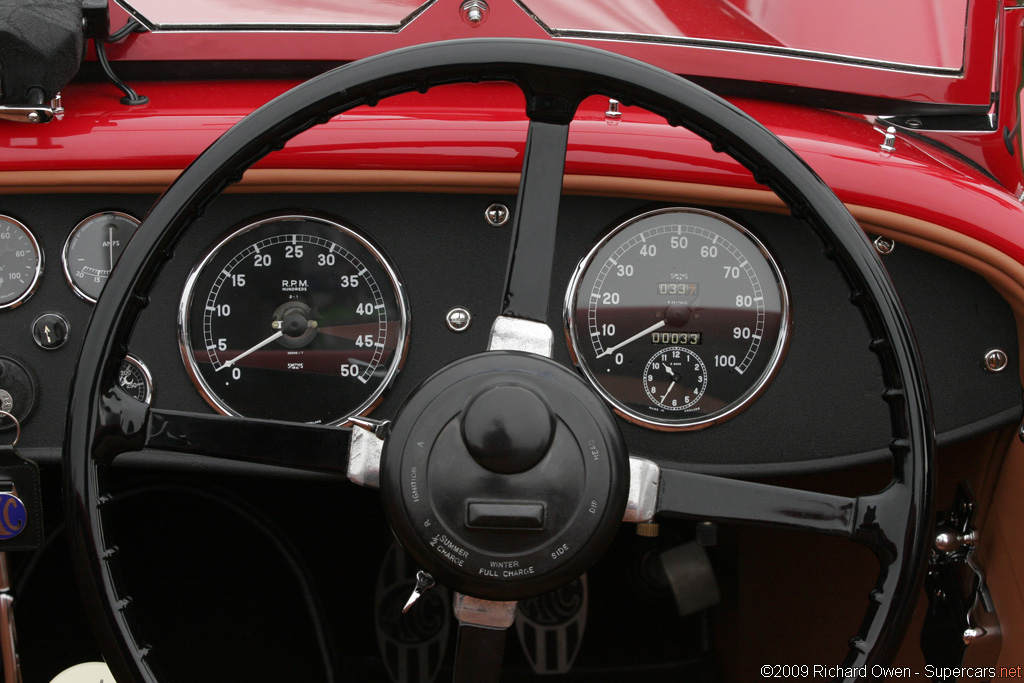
528,280
718,499
266,442
483,626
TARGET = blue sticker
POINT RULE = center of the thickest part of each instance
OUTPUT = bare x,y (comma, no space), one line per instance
13,516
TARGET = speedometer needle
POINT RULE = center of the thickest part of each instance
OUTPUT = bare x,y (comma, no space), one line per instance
652,328
242,355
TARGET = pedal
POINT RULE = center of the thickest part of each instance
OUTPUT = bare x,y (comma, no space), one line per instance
691,578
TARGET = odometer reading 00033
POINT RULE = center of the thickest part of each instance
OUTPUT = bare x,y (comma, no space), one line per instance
679,317
293,318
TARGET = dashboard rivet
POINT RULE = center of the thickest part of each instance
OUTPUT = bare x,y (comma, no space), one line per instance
497,214
884,245
996,360
458,319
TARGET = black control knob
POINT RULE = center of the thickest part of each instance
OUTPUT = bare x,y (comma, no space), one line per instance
507,428
18,391
505,475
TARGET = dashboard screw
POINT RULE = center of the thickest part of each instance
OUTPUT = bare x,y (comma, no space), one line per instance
884,245
497,214
458,319
996,360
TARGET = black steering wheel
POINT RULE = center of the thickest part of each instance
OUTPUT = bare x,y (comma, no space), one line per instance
104,422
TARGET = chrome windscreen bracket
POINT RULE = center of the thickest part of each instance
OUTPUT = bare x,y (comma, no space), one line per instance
33,113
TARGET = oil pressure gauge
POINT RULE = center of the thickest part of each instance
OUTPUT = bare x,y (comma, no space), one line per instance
92,250
134,377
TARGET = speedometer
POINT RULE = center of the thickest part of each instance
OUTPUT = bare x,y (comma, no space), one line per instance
295,318
679,318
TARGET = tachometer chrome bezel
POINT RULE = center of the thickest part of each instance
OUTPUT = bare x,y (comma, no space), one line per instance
185,306
678,425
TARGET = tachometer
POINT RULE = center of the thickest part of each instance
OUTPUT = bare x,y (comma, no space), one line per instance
294,318
679,317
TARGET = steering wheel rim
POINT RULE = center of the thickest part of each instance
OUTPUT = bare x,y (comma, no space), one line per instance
103,422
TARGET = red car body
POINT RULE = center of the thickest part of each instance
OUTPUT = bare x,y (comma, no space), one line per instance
910,112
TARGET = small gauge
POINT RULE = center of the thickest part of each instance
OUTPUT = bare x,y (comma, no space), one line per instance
135,378
675,378
92,251
21,263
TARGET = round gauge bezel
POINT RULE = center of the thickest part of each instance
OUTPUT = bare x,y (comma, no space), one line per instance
79,292
147,376
691,424
37,275
185,306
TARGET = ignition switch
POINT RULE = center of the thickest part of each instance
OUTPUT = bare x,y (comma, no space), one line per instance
18,389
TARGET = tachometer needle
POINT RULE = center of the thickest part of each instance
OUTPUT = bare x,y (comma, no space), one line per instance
652,328
259,346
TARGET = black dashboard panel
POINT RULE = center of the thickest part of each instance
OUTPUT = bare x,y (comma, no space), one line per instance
823,410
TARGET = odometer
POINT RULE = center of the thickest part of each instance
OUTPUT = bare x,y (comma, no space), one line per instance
293,318
679,318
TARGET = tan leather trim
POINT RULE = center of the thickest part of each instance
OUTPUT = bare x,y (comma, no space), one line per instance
360,180
1002,555
260,180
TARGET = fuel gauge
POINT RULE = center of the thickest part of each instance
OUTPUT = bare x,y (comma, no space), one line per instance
92,251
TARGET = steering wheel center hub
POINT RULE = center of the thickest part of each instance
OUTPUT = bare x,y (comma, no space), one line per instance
495,490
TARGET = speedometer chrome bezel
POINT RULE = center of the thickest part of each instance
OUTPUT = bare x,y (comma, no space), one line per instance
731,410
37,273
185,306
